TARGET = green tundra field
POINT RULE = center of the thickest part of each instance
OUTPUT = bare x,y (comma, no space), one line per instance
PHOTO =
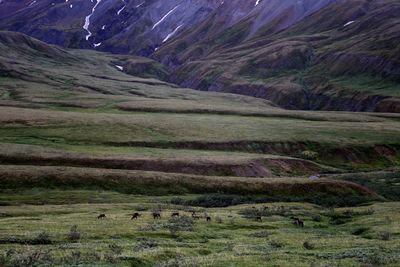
45,233
80,138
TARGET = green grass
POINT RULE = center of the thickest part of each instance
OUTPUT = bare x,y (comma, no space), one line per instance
386,183
371,85
230,239
141,126
79,138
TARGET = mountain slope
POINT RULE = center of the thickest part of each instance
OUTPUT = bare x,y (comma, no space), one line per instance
313,55
346,62
140,27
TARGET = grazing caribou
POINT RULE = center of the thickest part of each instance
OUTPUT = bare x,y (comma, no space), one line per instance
136,215
208,219
298,222
156,215
101,216
175,214
194,216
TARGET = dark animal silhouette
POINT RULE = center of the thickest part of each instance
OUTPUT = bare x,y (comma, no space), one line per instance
194,216
101,216
175,214
156,215
136,215
298,222
208,219
258,218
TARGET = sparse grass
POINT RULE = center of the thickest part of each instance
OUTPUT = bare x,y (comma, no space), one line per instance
117,240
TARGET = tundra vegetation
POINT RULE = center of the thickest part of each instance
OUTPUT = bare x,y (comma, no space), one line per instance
79,138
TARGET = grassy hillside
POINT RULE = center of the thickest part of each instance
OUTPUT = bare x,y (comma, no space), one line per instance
80,137
76,108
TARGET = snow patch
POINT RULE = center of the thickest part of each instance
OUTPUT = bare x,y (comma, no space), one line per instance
96,45
314,177
348,23
163,18
119,67
87,20
119,11
172,33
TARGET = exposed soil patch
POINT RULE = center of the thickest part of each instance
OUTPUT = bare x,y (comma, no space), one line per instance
263,167
385,155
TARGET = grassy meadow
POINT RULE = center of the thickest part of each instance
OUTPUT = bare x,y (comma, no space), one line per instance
79,138
59,233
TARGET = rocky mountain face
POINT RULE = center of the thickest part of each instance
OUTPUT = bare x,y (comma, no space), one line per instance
300,54
144,26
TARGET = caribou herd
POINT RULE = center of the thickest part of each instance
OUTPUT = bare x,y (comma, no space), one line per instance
157,215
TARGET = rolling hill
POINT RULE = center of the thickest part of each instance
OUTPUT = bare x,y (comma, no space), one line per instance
87,107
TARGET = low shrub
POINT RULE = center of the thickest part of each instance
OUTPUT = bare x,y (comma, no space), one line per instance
115,249
342,217
308,245
360,231
309,155
252,213
260,234
75,257
322,199
42,238
276,244
112,256
386,236
178,224
179,260
74,235
218,219
29,258
317,218
3,260
145,244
